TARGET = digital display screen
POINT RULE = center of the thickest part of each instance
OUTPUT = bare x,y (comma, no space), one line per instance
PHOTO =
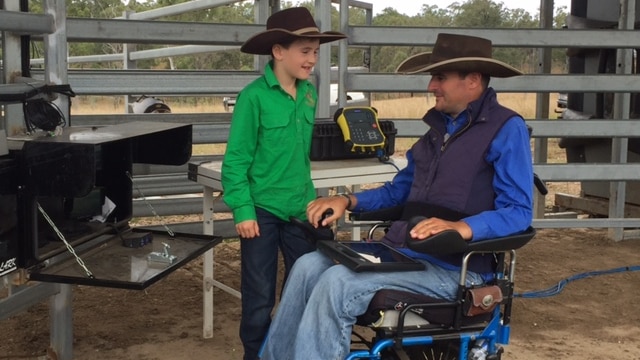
357,115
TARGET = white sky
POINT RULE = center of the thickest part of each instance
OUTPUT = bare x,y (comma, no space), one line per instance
412,7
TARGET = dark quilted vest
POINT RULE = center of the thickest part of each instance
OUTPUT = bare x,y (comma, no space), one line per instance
453,173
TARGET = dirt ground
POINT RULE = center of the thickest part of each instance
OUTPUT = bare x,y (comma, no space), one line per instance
592,318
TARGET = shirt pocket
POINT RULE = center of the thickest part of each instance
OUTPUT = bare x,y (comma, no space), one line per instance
275,128
307,127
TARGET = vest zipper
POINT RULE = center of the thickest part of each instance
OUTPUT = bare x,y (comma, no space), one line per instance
444,144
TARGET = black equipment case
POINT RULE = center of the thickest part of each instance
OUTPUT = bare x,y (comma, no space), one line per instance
328,143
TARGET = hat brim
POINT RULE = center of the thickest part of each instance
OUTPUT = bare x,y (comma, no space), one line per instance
421,63
261,43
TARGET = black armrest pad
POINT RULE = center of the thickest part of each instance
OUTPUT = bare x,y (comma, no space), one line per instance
540,185
451,242
444,243
511,242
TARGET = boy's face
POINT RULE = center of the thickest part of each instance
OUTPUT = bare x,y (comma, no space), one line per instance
299,58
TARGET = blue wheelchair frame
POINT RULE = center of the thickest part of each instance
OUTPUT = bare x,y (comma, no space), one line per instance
490,335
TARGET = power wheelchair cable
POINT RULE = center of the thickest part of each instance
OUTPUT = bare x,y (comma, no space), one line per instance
556,289
384,158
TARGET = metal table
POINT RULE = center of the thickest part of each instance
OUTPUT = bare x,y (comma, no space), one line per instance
325,174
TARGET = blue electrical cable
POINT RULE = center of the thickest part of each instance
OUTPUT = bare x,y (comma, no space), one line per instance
556,289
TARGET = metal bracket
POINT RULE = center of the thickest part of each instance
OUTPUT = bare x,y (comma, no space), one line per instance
163,257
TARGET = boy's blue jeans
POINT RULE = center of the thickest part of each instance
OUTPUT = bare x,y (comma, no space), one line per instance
321,301
259,269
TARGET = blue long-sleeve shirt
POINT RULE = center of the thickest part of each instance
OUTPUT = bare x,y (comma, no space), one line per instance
512,183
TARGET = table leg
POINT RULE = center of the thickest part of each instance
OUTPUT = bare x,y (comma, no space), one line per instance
355,230
207,267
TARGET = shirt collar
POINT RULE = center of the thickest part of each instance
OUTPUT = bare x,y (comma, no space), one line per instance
272,80
270,76
472,112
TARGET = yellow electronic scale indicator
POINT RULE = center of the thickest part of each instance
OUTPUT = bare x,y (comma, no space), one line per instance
360,129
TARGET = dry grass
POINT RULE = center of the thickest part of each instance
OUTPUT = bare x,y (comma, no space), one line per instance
104,105
414,107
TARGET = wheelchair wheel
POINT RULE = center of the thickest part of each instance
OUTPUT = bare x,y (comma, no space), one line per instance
435,352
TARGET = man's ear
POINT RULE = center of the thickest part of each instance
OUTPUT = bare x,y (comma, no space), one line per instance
475,79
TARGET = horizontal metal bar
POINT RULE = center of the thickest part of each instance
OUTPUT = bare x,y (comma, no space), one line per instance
167,184
177,51
165,82
181,8
158,32
586,223
585,128
550,128
26,296
207,128
379,82
518,38
23,23
168,82
174,206
586,172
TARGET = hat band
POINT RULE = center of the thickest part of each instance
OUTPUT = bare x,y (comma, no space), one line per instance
306,30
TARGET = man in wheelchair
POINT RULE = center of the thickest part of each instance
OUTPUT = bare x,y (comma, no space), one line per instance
473,167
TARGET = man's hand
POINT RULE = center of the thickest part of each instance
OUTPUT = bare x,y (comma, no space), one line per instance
432,226
248,229
317,207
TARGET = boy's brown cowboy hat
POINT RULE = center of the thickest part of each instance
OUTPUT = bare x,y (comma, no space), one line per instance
458,53
285,25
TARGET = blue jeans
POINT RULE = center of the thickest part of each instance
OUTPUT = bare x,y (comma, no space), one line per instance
259,269
321,301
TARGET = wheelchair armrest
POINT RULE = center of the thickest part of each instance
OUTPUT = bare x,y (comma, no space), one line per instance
542,188
311,233
443,243
386,214
505,243
451,242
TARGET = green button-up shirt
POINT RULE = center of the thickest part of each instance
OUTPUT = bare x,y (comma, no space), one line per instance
266,163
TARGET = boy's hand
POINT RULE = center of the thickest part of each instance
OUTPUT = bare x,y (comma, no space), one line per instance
248,229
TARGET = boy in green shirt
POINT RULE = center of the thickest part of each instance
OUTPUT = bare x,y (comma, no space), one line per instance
266,172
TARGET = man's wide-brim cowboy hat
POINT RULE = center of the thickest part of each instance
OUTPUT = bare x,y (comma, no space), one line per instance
458,53
285,25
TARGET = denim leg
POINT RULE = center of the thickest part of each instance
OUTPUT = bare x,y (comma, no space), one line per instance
259,265
301,282
293,244
324,324
259,257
